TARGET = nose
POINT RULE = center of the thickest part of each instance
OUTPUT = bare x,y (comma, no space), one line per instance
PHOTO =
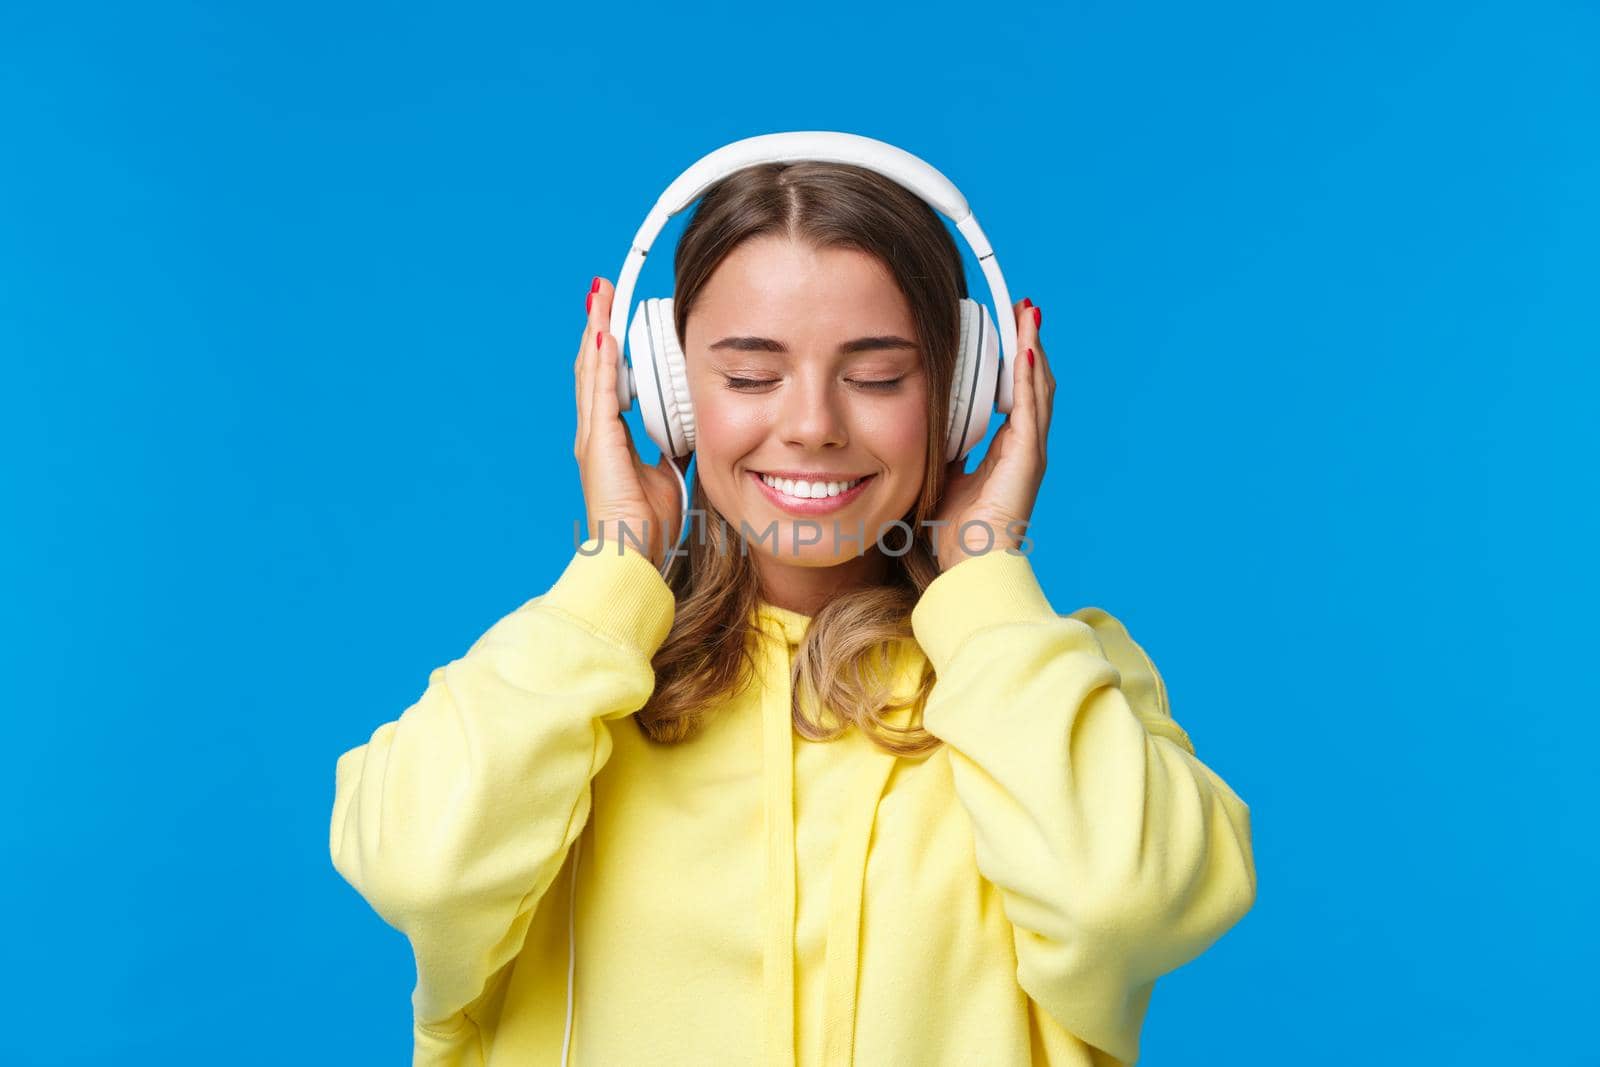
810,417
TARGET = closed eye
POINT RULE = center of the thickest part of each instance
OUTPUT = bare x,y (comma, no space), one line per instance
749,384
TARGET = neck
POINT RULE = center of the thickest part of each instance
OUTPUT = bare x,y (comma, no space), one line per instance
807,590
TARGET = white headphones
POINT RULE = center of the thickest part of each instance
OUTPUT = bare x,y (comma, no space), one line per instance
657,378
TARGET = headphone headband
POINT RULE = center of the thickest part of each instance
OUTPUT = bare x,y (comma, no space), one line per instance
830,147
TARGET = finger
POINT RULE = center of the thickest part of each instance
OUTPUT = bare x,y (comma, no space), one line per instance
600,321
603,392
1029,318
606,391
1024,316
585,345
579,374
1042,398
605,414
597,315
600,306
1028,327
1047,390
1035,320
1040,375
589,319
586,390
1024,411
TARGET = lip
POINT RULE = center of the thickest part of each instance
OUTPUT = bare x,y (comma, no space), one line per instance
816,506
814,476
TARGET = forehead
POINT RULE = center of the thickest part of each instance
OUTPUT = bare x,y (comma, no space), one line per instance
771,282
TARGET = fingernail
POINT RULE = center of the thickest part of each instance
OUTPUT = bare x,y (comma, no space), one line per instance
594,286
1038,317
598,334
588,301
1030,357
1027,303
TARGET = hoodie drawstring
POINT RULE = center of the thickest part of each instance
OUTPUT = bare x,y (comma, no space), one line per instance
777,958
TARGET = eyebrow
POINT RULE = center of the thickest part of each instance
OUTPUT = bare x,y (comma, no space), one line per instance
860,344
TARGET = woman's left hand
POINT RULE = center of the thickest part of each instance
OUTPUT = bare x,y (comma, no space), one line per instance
1001,491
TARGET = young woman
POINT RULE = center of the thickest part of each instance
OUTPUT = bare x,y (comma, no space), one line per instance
837,800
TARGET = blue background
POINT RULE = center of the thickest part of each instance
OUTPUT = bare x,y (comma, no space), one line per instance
288,302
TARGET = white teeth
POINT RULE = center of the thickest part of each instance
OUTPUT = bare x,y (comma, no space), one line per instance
804,490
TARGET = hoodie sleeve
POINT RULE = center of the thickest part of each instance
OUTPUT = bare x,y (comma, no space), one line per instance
454,819
1119,856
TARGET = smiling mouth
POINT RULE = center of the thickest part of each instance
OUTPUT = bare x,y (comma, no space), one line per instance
834,496
801,489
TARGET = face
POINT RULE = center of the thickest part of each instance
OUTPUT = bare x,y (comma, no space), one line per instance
806,360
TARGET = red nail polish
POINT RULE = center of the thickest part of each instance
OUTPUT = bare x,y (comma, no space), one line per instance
594,286
1038,317
588,301
597,336
1030,357
1027,303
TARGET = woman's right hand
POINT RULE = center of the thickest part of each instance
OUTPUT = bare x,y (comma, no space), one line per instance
618,487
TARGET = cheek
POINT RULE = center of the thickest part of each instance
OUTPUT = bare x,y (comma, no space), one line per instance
900,441
900,435
726,430
907,439
725,433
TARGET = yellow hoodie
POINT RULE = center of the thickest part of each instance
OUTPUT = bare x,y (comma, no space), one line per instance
751,897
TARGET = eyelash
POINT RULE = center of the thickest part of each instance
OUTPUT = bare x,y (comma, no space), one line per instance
744,384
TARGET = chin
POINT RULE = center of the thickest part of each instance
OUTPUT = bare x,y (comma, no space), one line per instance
814,557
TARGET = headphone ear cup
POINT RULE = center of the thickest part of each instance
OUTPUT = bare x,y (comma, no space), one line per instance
675,380
973,383
660,383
